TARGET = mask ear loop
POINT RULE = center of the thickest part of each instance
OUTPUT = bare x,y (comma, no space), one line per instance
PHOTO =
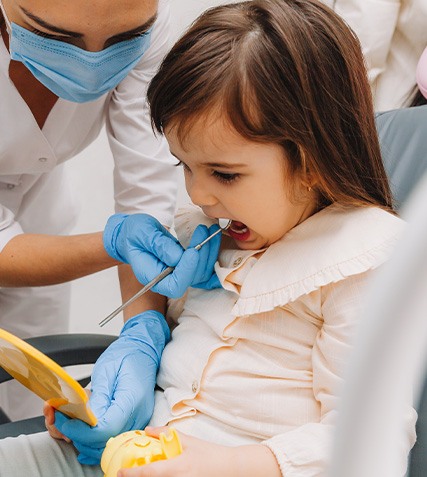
8,25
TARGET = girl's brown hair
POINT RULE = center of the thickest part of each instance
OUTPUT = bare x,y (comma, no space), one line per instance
288,72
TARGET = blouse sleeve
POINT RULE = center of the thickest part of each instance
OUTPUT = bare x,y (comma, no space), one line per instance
374,22
145,179
305,451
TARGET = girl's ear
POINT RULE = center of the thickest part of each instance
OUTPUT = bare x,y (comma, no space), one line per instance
309,181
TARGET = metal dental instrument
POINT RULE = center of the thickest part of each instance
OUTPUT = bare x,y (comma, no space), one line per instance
223,224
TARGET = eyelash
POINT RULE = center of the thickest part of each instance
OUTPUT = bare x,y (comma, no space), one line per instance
68,39
225,178
131,37
220,176
48,35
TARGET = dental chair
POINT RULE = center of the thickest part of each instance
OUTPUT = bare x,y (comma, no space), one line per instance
389,359
391,352
403,139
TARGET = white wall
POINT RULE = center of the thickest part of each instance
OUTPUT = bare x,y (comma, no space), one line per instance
96,296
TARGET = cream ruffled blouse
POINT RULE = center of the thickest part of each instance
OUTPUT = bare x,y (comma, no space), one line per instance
261,359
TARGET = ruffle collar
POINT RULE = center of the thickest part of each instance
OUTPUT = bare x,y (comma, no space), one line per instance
331,245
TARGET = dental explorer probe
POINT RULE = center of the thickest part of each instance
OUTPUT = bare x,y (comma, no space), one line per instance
167,271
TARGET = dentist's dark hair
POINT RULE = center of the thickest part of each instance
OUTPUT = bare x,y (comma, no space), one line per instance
289,72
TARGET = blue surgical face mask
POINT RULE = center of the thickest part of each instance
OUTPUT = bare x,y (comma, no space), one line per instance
71,72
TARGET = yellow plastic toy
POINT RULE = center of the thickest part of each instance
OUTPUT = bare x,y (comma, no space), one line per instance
135,448
44,377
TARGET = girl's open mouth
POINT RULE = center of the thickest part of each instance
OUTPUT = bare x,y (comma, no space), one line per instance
238,231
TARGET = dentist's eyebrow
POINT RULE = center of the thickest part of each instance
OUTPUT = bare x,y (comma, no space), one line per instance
145,26
50,27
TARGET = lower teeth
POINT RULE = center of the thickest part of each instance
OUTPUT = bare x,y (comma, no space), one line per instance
239,231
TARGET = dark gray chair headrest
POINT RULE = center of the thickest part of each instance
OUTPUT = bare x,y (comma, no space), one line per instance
403,140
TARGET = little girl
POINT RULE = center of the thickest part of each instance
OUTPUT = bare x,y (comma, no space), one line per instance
267,107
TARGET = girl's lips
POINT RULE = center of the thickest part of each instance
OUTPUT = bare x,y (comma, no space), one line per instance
238,231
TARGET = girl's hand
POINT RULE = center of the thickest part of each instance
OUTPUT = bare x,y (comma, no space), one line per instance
49,420
210,460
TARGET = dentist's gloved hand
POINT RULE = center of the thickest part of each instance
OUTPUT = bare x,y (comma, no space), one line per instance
142,242
122,386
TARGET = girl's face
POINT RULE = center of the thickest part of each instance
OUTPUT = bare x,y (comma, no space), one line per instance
92,25
231,177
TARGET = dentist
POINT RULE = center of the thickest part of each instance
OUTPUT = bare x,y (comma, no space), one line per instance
66,70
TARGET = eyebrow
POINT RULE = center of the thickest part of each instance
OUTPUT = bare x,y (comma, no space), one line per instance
223,165
219,165
73,34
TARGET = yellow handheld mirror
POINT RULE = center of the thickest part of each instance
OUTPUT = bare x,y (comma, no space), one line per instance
44,377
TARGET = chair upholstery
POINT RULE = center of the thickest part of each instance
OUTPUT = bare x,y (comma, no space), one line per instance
403,140
418,457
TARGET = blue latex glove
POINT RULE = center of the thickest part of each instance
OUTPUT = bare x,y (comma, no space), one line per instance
122,386
142,242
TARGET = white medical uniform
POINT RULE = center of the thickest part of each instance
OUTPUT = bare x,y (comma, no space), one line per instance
34,195
393,34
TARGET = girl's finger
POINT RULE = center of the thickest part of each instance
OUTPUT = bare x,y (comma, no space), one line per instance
49,413
49,422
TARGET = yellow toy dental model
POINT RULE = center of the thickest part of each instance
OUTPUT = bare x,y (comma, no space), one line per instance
135,448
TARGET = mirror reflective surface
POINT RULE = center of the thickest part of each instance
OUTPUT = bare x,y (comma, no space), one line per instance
44,377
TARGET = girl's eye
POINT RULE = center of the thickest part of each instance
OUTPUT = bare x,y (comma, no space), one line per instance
224,177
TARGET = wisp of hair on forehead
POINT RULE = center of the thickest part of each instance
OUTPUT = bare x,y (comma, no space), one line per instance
288,72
